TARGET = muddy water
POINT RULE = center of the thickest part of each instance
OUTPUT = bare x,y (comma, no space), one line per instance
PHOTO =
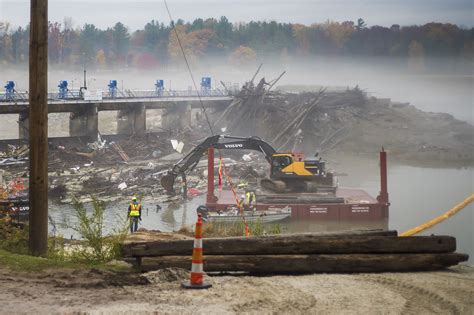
417,194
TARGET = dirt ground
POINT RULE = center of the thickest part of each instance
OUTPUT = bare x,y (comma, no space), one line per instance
100,292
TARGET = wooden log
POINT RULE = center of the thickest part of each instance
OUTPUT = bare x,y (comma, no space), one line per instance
136,247
298,264
303,244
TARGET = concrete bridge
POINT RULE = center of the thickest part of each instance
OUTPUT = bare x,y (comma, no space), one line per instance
131,112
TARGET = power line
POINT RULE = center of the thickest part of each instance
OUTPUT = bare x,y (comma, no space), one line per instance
189,68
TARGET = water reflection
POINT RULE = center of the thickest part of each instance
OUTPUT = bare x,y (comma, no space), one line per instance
417,194
167,216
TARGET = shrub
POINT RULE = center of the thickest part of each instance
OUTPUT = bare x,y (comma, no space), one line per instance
13,237
97,246
256,228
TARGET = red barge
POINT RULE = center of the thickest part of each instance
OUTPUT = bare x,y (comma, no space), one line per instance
347,204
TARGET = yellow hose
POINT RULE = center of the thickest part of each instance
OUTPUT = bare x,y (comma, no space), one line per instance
439,219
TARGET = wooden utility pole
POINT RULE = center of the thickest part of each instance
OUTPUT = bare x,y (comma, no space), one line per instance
38,115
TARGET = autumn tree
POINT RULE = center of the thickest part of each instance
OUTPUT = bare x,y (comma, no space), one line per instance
156,42
339,33
100,58
243,55
300,32
55,42
69,40
194,43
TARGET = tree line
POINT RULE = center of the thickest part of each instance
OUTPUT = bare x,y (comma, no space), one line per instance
156,44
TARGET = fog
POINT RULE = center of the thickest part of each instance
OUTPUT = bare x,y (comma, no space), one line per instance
135,14
417,193
443,85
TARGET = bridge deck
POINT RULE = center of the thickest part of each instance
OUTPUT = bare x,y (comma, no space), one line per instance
64,106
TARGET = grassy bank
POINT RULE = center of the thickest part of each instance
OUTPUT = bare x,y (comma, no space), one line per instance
17,262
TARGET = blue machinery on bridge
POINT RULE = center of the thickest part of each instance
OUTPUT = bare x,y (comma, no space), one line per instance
159,87
9,90
113,92
206,86
112,88
62,89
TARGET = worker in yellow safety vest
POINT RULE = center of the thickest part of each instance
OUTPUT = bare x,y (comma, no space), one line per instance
135,214
241,203
250,198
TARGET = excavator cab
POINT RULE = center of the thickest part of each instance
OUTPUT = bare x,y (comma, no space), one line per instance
280,162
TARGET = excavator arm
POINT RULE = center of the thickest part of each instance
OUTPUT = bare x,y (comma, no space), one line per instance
221,142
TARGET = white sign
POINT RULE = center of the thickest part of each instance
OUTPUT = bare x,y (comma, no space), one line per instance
92,95
360,209
318,210
233,146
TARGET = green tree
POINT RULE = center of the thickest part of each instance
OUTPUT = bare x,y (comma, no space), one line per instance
88,39
120,40
6,42
361,24
20,45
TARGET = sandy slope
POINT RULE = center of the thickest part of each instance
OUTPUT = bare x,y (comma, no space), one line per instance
96,292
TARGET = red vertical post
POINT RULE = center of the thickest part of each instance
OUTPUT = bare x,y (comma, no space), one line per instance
383,195
210,176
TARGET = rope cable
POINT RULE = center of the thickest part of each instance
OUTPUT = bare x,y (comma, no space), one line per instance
189,68
241,210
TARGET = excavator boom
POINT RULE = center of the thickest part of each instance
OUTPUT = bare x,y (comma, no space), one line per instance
190,160
288,171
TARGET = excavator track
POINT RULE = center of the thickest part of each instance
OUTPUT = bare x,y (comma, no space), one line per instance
277,186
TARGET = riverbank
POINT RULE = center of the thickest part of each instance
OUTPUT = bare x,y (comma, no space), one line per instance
448,291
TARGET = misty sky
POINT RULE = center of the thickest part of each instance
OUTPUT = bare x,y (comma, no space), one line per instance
135,14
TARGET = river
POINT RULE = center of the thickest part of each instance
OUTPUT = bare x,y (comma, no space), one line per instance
417,194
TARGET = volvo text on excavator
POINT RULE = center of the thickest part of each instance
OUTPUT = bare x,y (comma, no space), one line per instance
288,171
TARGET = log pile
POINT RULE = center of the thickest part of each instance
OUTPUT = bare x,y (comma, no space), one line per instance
373,251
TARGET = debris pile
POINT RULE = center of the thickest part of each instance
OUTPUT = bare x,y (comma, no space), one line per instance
346,121
310,122
322,122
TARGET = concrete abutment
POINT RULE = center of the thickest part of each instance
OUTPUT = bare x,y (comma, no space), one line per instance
84,122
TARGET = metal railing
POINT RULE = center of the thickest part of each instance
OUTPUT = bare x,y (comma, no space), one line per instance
120,94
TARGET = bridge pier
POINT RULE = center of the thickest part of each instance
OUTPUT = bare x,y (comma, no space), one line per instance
23,125
132,120
177,117
84,122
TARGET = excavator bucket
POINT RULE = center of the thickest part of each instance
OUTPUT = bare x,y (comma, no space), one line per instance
167,181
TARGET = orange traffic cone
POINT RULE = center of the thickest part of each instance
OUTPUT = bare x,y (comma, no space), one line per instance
196,267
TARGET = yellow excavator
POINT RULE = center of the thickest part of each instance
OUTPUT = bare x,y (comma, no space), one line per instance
289,172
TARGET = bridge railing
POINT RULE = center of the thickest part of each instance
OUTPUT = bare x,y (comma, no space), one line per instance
119,94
